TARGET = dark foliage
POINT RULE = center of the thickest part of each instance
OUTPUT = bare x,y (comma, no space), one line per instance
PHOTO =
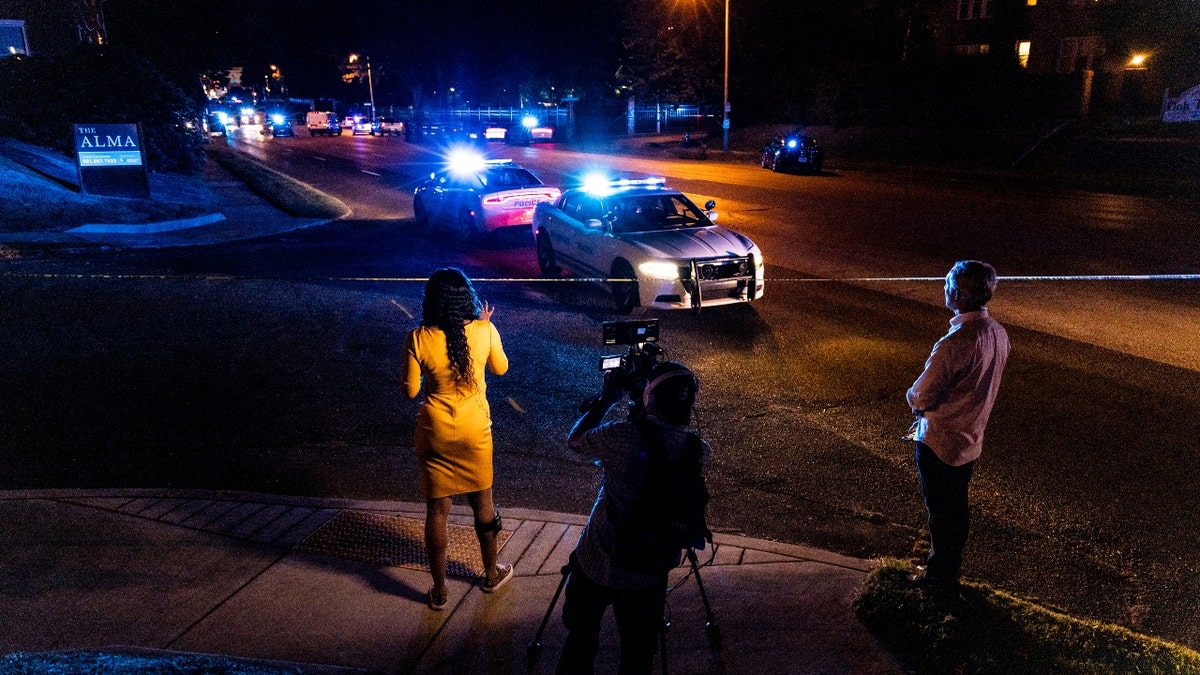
41,97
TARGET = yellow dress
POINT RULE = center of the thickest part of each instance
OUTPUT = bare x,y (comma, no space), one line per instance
454,424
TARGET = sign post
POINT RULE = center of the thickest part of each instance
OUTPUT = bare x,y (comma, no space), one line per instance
111,160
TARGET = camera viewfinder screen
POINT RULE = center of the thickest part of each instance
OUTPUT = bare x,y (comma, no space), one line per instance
630,332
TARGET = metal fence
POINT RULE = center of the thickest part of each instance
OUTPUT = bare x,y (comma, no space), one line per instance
618,117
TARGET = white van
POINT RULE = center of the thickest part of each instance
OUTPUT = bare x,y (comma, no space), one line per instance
323,123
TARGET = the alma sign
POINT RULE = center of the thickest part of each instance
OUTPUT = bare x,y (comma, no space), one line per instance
111,160
1184,108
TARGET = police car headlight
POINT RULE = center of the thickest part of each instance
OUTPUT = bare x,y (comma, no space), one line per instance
656,269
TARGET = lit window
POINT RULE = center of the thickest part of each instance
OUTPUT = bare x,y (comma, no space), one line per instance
1030,3
1023,53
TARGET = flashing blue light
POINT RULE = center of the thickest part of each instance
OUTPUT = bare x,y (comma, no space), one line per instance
529,121
463,162
792,143
223,117
596,182
600,184
277,118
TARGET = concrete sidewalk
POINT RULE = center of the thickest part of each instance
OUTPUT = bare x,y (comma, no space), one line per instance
341,583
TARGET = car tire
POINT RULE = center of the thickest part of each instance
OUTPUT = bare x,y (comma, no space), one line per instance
420,213
625,294
764,161
775,163
545,256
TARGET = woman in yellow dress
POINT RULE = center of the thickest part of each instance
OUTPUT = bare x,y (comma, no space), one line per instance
448,354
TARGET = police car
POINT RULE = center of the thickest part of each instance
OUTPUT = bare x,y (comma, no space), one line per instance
648,243
477,197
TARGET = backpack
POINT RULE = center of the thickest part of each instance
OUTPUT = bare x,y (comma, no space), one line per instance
668,515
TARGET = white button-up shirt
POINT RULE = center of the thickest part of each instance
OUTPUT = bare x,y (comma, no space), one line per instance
953,397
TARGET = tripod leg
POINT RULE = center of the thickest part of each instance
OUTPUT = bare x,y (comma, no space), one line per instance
662,644
710,625
536,644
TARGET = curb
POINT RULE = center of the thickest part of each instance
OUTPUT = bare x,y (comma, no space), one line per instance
148,228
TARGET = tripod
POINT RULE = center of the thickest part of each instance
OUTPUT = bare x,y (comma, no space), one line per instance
533,649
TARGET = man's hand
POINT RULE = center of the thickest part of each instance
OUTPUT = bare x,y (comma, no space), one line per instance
613,389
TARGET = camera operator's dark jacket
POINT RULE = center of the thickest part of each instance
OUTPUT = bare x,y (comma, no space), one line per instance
616,447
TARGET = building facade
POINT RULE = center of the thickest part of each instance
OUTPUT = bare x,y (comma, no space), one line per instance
1067,44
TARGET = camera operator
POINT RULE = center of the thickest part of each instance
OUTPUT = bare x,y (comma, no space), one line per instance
602,571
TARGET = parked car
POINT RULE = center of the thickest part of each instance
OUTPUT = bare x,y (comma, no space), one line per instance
322,123
495,131
478,197
530,130
280,125
667,252
215,123
360,125
385,126
793,150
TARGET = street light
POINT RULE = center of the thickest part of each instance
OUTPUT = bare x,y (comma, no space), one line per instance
370,84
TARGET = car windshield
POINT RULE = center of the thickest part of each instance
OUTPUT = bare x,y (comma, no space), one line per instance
504,179
646,213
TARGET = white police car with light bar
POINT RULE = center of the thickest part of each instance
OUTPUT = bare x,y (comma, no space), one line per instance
650,244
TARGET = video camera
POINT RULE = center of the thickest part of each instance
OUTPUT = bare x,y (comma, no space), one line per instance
633,367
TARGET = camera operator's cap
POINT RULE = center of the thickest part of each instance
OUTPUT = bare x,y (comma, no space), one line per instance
666,378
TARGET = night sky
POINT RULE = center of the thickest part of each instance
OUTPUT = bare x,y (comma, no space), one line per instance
487,51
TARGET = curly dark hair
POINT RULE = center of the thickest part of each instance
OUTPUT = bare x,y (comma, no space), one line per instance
450,300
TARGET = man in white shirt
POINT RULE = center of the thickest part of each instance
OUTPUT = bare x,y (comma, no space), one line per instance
952,400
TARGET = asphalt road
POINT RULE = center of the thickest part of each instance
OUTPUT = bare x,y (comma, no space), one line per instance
258,366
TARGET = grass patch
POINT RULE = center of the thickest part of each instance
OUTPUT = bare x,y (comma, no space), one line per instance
32,202
982,630
290,195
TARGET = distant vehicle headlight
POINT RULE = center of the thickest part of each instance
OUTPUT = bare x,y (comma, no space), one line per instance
529,122
657,269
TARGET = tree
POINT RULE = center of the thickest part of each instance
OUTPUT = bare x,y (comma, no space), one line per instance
669,55
41,97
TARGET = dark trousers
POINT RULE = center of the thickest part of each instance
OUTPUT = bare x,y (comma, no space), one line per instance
945,490
639,616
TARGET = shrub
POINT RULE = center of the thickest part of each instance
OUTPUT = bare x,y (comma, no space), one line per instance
41,97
